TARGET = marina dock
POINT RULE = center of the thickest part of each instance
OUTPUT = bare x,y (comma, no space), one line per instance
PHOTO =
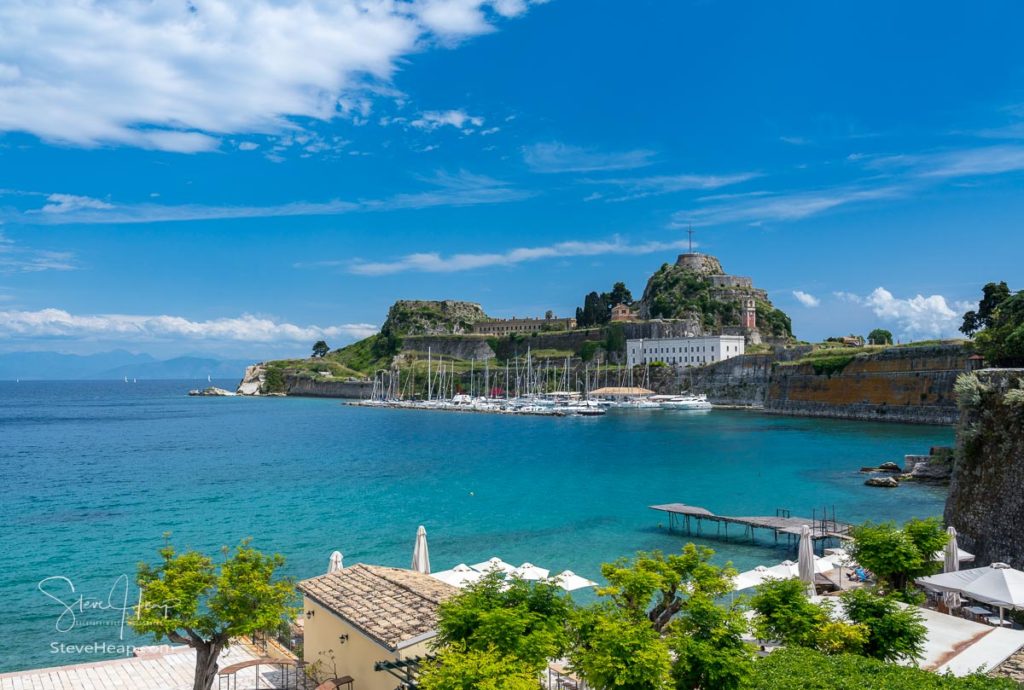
682,516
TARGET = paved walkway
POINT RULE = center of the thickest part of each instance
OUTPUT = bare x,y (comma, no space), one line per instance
167,670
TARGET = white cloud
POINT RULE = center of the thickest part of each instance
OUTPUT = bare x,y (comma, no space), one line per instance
57,323
916,317
443,189
15,258
640,187
806,299
784,207
66,203
986,160
175,76
458,119
556,157
432,262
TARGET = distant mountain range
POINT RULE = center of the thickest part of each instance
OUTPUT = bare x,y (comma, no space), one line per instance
114,365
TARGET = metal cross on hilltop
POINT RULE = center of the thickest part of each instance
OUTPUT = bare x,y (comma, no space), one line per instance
689,231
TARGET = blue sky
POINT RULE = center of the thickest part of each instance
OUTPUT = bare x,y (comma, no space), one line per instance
242,177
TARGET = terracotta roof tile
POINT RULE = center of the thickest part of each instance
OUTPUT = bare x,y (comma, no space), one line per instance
390,605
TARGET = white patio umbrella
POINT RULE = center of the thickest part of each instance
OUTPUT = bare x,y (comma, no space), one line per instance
1002,586
570,581
494,563
951,564
805,560
334,565
459,576
750,578
528,571
420,555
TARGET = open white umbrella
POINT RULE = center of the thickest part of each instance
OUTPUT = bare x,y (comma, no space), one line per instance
420,555
951,564
805,560
494,563
750,578
1002,586
570,581
459,576
528,571
334,565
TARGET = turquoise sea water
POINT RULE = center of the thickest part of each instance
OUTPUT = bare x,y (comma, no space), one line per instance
93,474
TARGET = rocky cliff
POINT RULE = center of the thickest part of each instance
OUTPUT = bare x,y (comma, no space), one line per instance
986,497
432,317
900,384
697,289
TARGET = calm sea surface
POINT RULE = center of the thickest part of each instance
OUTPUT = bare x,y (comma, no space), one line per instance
92,474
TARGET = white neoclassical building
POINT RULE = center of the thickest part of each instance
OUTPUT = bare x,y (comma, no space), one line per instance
684,352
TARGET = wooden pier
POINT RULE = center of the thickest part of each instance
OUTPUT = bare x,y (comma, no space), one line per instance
682,516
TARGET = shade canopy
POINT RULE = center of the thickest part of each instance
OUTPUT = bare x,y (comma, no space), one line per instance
494,563
528,571
335,563
996,584
570,581
786,570
420,554
459,576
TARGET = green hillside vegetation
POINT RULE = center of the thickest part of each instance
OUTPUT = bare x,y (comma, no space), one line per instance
676,292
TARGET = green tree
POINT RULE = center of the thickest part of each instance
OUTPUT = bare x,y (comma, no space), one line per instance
320,348
783,613
896,556
520,620
708,646
614,649
895,631
992,297
795,668
458,668
1002,340
654,586
189,600
880,336
620,294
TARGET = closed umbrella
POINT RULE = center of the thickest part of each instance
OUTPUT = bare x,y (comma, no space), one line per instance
805,560
420,555
334,565
951,564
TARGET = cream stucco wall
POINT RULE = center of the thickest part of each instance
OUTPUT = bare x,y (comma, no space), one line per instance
356,656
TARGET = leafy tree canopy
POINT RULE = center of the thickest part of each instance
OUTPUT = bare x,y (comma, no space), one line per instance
895,631
189,599
458,668
898,555
525,621
614,649
880,336
320,348
998,325
795,668
708,646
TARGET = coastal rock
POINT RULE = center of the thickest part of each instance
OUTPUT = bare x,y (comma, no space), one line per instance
211,391
432,317
252,381
937,466
883,482
889,467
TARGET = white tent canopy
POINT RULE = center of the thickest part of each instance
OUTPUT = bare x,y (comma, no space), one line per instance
783,571
997,584
494,563
570,581
528,571
459,576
